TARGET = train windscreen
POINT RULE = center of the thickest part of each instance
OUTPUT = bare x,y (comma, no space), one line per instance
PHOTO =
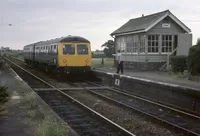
68,49
82,49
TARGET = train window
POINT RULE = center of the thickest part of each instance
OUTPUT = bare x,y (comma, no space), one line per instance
82,49
68,49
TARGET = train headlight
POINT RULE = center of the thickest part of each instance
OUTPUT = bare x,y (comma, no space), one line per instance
64,61
86,60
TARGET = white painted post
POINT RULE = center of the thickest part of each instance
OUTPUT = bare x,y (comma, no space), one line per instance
160,44
168,55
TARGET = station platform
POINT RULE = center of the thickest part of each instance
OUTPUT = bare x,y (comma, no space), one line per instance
156,86
13,121
156,76
10,124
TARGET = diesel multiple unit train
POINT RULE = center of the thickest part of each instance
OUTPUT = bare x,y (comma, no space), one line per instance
63,55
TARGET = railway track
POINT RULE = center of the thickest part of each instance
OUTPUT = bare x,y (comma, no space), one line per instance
187,122
182,120
80,117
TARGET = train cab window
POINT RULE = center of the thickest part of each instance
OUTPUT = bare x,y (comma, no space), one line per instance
68,49
82,49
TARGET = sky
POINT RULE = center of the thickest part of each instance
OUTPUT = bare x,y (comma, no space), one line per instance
37,20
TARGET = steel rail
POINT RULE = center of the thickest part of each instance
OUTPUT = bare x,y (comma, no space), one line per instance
143,112
149,101
81,104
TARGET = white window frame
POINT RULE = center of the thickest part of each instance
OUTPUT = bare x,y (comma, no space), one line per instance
153,41
165,43
129,50
135,45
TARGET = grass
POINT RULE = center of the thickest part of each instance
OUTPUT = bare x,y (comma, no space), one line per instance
3,111
29,101
185,75
194,78
3,64
44,124
49,127
3,100
3,95
179,75
108,62
20,57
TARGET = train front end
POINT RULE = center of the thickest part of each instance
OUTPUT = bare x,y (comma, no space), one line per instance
75,57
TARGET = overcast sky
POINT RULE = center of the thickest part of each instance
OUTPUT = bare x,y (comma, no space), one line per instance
36,20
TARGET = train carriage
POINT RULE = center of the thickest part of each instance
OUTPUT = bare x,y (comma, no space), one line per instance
28,53
66,54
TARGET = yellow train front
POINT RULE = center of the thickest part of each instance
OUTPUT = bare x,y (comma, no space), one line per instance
74,56
69,54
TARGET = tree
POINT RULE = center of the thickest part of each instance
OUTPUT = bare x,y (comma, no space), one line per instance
2,48
108,48
198,41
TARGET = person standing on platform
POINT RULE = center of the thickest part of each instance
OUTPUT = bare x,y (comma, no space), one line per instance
102,62
119,62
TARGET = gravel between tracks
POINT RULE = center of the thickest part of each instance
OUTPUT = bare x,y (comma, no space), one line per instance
133,122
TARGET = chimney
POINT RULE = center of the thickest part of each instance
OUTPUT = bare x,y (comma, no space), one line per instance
142,15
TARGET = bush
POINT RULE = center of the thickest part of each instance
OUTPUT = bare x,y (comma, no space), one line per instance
194,60
3,95
198,41
178,63
1,63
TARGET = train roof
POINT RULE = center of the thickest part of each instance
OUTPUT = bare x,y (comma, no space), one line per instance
30,45
65,39
62,39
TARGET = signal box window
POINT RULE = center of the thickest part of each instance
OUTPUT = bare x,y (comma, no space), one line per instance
82,49
68,49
